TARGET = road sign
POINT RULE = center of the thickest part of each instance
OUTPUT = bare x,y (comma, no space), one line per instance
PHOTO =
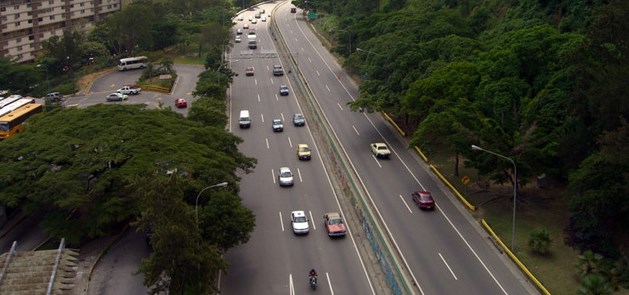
465,180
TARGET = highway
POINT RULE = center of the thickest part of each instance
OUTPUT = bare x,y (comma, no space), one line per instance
445,250
275,261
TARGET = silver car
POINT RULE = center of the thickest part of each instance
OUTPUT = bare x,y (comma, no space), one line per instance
285,177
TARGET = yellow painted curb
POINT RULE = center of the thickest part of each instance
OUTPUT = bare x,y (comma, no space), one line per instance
515,258
421,154
453,189
394,124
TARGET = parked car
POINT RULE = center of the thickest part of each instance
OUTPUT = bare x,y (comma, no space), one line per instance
299,222
245,26
238,39
240,18
181,103
277,125
249,71
424,200
239,32
285,177
334,224
116,96
263,19
299,120
303,152
283,90
254,21
380,150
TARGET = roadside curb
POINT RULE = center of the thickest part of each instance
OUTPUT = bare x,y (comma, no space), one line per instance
101,255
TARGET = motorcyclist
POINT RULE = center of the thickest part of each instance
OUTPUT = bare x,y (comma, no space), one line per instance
312,276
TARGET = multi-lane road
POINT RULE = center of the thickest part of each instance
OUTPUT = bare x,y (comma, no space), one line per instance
444,250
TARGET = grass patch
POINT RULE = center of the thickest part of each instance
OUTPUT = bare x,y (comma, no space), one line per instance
535,208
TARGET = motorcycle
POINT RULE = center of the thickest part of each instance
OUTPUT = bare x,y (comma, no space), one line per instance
313,282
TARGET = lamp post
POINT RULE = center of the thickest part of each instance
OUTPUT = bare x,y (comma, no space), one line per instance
515,188
196,203
349,38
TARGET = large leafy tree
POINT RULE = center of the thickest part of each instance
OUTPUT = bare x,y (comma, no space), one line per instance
85,159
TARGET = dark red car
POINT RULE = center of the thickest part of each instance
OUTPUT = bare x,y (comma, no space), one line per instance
181,103
424,200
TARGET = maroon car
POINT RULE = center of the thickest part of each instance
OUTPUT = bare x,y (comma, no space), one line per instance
424,200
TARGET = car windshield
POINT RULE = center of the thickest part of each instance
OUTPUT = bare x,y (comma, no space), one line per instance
286,174
336,221
382,147
300,219
304,149
425,197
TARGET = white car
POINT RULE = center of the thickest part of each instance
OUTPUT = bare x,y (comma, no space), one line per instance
116,96
299,221
285,177
238,39
254,21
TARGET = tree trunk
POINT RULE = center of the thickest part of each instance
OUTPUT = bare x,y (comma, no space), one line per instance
456,164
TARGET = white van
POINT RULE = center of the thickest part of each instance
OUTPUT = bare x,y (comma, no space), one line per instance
244,120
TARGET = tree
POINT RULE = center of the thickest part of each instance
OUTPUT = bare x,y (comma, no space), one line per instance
590,263
85,158
594,284
224,221
19,78
540,241
181,261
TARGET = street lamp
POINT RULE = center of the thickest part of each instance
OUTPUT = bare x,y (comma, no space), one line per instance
196,203
349,37
515,188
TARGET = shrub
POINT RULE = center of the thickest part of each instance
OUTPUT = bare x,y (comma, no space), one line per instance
540,241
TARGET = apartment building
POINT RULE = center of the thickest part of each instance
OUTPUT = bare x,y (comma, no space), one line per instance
25,24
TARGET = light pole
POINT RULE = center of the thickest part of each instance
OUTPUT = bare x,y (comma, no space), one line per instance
196,203
349,38
515,188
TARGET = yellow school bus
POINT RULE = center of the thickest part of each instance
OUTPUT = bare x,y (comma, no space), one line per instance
11,123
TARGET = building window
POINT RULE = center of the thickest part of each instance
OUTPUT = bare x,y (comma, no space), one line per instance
16,7
52,17
18,40
17,24
16,16
19,48
51,2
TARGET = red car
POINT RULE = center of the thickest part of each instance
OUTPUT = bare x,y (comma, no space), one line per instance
424,200
181,103
334,224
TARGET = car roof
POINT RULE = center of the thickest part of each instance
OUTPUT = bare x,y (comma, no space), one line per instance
298,213
284,169
333,215
422,193
302,145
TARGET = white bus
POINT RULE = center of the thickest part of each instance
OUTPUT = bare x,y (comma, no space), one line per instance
4,101
130,63
16,105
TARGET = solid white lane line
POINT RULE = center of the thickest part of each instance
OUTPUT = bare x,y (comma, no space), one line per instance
407,207
267,143
314,226
448,266
273,175
299,173
262,117
473,252
281,222
355,130
329,283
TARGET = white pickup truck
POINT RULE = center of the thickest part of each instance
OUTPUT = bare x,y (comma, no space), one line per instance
129,89
380,150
